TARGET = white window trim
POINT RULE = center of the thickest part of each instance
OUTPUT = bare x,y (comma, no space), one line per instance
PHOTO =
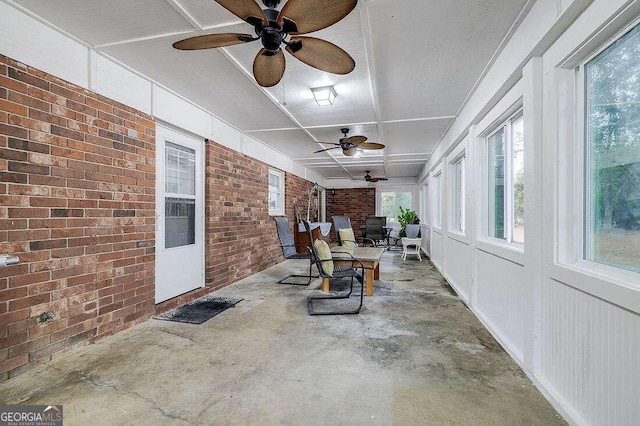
458,155
437,200
610,283
505,248
280,210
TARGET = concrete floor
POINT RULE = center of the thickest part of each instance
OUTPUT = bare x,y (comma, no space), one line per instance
414,355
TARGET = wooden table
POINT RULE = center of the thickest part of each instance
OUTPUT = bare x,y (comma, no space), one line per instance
370,258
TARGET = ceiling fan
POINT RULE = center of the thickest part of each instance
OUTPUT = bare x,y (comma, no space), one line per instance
368,177
273,28
352,145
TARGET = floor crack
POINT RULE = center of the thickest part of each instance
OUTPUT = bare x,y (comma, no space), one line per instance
153,404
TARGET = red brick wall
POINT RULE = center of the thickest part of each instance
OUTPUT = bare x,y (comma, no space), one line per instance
77,202
296,193
357,203
240,236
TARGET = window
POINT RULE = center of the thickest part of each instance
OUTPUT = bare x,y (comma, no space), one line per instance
505,181
458,195
276,192
437,220
612,155
180,200
391,203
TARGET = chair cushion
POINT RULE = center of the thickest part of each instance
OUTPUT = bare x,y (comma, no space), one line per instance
324,254
347,238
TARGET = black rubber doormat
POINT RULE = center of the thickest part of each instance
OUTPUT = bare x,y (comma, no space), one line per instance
200,310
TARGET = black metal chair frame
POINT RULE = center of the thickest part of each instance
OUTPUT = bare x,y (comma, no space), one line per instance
338,272
343,222
376,230
289,250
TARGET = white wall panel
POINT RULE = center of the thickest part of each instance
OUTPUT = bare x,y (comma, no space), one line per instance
437,249
33,43
226,135
256,149
591,350
457,267
502,297
118,83
175,110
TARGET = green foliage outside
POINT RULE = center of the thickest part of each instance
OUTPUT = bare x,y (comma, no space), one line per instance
392,202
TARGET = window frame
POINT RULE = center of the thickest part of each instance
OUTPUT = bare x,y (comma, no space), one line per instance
505,122
458,156
437,200
569,266
415,201
279,211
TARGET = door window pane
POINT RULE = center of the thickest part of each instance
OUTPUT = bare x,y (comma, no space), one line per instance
517,126
180,222
612,172
180,169
495,156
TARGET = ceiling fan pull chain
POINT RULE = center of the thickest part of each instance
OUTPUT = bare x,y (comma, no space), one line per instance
284,94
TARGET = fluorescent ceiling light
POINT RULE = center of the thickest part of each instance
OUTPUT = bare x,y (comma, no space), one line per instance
324,95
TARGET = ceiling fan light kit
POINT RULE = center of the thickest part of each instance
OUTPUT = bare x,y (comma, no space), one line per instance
274,28
351,146
324,96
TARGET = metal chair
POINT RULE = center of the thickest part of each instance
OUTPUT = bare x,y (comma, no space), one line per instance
289,250
343,222
339,272
375,229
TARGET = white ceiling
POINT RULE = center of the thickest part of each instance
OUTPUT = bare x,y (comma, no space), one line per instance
417,61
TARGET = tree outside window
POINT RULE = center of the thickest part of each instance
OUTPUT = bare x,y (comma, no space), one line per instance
391,203
612,155
505,181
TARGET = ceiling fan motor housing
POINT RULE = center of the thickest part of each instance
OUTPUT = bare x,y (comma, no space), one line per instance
271,35
271,3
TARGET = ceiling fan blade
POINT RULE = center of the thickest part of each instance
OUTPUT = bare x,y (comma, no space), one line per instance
329,143
306,16
357,140
210,41
247,10
321,54
370,145
323,150
268,67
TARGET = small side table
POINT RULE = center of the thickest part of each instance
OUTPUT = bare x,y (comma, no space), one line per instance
411,246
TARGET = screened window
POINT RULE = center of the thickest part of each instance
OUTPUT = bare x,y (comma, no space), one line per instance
437,208
276,192
391,203
505,181
458,195
612,155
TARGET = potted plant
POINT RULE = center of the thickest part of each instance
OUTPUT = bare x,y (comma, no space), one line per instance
409,222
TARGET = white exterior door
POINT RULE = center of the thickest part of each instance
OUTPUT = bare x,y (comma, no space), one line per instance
179,213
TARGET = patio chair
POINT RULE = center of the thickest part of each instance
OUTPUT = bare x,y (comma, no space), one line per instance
343,222
347,268
376,230
289,250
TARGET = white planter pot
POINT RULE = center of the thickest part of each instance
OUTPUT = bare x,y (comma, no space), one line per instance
412,231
